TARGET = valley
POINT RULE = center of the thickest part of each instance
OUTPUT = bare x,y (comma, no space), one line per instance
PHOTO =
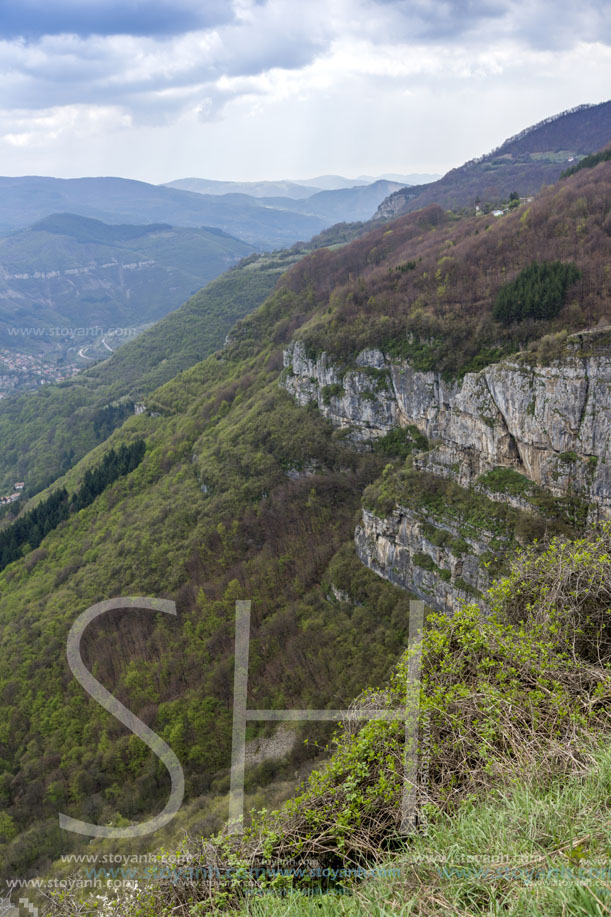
407,408
21,370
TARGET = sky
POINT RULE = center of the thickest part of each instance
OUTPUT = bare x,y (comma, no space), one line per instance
269,89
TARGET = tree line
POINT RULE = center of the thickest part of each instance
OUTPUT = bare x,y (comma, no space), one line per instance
538,292
29,530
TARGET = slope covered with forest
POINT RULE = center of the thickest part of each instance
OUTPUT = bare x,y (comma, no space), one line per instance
523,164
44,433
251,486
68,272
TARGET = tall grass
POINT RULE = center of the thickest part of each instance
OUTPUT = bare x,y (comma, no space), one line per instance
523,852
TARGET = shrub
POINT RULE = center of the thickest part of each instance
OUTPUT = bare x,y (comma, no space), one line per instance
331,391
521,693
401,442
565,591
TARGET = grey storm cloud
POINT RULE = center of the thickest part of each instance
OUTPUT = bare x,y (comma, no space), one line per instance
156,58
539,24
156,73
429,20
31,19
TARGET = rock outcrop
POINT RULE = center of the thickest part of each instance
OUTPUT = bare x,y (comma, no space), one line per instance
399,548
550,424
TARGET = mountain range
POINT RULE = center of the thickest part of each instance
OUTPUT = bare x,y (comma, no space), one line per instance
328,432
292,189
24,201
71,272
524,163
263,224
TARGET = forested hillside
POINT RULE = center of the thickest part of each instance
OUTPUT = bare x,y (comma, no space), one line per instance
245,491
424,287
68,272
42,434
523,164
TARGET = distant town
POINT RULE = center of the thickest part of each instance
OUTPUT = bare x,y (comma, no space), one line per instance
17,491
20,371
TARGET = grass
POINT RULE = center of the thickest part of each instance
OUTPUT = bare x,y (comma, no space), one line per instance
530,851
512,708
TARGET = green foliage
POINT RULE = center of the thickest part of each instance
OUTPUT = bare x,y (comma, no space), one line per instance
507,480
46,432
335,390
539,292
551,347
268,528
444,322
484,358
507,724
566,514
243,494
32,527
439,499
424,560
588,162
567,591
401,442
537,850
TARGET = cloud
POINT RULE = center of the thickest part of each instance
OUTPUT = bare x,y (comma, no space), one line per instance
22,129
148,73
152,68
107,69
32,19
535,23
562,25
429,20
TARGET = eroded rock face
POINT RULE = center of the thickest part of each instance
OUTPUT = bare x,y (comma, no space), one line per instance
552,424
397,548
357,400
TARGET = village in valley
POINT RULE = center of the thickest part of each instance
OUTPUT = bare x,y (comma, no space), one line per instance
20,370
17,492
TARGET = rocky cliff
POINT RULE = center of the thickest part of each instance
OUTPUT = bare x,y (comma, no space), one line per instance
536,438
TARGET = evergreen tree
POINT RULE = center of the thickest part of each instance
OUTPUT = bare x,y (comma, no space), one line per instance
539,292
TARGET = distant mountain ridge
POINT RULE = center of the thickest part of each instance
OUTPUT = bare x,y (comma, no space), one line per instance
25,200
263,223
534,157
85,229
254,189
297,189
69,271
342,205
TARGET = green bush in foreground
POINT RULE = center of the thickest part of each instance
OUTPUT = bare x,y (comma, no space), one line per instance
503,701
529,852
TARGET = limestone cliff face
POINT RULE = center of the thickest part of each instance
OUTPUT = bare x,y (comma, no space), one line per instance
399,549
359,401
551,424
396,203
